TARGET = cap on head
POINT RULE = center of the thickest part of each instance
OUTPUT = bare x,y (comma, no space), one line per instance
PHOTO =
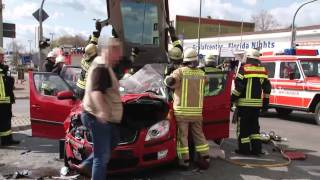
60,59
190,55
175,53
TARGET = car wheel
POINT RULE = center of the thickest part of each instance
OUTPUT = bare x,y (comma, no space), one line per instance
283,111
317,114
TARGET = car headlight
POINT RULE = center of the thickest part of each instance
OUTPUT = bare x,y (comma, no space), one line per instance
158,130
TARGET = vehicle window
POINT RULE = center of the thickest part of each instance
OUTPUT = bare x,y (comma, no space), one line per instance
140,22
286,68
311,68
49,84
270,66
216,84
71,75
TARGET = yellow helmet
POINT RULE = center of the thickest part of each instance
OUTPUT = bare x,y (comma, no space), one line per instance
252,54
175,53
1,50
90,50
190,55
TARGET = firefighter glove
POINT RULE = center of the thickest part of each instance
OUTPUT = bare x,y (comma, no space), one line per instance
170,81
96,34
265,104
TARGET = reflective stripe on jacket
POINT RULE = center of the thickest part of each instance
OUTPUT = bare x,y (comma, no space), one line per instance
251,85
188,93
4,97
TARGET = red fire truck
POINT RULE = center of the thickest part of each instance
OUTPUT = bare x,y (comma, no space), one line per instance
295,79
152,140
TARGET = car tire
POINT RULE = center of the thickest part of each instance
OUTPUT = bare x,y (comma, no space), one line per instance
317,114
283,111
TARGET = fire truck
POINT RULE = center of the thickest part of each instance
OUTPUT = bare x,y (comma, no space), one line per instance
295,79
148,135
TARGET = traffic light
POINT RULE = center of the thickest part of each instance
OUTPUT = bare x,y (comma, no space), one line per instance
44,43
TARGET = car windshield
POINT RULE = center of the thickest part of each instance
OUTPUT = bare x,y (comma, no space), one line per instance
147,79
311,68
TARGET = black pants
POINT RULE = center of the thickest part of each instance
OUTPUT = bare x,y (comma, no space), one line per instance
249,130
5,119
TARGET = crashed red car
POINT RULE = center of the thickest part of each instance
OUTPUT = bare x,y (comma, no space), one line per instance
148,130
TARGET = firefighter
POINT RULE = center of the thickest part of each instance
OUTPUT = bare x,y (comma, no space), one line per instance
60,60
214,84
251,93
188,84
90,53
49,64
175,53
6,101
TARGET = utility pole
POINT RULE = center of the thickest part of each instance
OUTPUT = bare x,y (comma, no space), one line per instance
40,36
1,24
51,39
30,41
293,28
199,27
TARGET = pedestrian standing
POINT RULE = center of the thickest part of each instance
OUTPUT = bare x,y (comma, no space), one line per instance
188,84
251,93
102,108
6,100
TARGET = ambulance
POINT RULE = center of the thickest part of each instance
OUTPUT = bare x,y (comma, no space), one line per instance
295,79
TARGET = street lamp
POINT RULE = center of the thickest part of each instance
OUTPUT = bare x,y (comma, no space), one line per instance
199,27
30,41
293,29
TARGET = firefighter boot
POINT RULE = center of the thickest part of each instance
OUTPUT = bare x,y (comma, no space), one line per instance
244,148
204,162
8,141
184,164
256,146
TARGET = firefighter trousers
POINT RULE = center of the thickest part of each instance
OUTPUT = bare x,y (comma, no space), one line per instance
248,130
201,144
5,119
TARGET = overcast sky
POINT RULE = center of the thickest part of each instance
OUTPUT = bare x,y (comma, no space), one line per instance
75,16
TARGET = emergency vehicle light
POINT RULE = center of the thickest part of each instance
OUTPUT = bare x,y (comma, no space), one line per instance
301,52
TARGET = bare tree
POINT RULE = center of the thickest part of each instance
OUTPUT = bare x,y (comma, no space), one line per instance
264,21
75,41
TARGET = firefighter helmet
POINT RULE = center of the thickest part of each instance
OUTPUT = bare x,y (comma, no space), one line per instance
252,54
190,55
90,50
60,59
175,53
1,50
212,57
51,54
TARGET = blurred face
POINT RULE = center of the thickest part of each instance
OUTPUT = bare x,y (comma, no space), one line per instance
113,53
52,59
1,58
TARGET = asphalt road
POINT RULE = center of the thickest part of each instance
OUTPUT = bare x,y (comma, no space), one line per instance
40,155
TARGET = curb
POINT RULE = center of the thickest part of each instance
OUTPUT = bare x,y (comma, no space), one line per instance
20,128
23,97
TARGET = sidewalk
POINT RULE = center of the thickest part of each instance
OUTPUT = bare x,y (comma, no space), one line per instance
21,90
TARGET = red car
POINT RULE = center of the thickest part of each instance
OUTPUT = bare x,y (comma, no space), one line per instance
148,132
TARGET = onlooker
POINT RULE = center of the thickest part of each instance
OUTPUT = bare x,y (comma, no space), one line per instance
102,109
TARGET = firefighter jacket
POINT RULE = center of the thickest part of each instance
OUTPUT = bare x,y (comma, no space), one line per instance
112,98
6,86
251,86
213,85
188,93
85,64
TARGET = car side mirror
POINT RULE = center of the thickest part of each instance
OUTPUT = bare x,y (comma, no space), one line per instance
65,95
292,75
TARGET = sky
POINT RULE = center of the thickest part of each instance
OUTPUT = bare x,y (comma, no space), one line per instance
70,17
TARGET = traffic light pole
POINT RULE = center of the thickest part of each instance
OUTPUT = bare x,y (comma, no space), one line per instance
1,24
41,60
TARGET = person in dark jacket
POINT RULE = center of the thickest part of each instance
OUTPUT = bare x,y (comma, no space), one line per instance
50,61
251,94
58,65
6,100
